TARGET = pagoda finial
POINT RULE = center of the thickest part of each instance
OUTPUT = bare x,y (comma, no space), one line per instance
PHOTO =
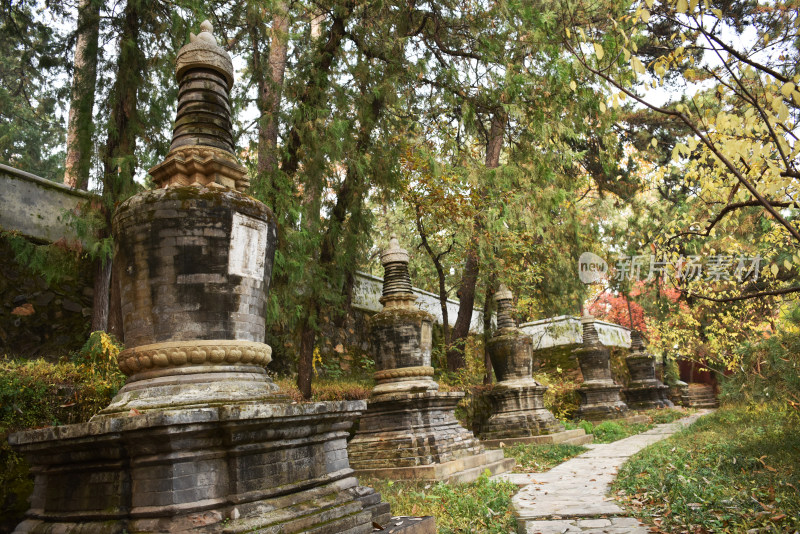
504,299
590,335
202,151
396,280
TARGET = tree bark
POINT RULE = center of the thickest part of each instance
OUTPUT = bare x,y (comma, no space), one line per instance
487,329
84,82
308,338
100,303
456,358
437,263
270,88
350,194
124,126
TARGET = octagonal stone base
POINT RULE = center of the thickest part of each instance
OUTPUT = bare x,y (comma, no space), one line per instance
645,396
232,468
518,411
416,436
600,401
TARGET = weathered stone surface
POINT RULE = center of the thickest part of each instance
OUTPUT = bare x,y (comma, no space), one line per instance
195,440
205,469
202,152
644,391
409,429
517,399
600,396
570,437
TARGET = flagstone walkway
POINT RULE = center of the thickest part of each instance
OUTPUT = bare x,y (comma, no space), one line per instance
573,496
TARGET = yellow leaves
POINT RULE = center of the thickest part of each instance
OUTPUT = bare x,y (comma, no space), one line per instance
638,66
602,107
569,34
649,3
598,50
682,6
645,16
787,89
573,85
654,142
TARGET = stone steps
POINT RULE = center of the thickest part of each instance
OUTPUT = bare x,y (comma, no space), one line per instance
700,396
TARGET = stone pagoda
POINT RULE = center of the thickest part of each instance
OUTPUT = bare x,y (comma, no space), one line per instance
409,430
645,390
517,402
197,440
600,395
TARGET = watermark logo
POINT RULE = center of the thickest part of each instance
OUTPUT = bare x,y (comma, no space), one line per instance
720,267
591,268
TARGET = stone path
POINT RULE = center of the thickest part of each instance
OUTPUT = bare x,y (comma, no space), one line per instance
572,497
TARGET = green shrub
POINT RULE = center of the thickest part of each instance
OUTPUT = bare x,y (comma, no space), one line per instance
732,471
37,393
561,397
768,369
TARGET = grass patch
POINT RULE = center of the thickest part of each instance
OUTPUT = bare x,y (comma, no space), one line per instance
610,431
539,458
328,389
481,506
734,470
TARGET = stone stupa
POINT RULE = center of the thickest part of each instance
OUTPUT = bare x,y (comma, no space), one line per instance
599,394
518,414
409,430
645,390
197,440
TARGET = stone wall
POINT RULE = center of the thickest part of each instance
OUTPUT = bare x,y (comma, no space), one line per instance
566,330
41,319
35,207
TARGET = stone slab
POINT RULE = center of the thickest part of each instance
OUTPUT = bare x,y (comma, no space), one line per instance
614,525
546,439
464,469
573,496
410,525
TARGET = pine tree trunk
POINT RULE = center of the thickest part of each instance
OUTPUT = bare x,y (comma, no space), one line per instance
270,87
84,82
100,303
487,329
118,158
456,359
305,364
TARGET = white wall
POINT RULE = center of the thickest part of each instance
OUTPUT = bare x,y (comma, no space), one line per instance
567,330
367,292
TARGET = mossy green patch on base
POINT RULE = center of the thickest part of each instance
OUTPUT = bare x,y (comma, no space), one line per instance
734,470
